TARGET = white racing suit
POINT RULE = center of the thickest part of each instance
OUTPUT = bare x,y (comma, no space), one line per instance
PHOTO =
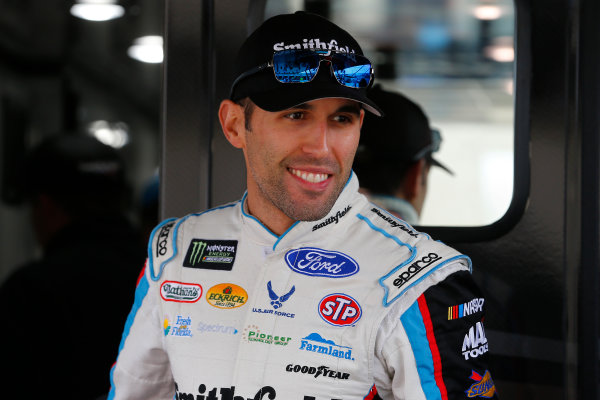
355,304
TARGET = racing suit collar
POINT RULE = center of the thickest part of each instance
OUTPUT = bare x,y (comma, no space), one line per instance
304,231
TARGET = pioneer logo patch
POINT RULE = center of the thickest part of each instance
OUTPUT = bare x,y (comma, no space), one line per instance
180,292
211,254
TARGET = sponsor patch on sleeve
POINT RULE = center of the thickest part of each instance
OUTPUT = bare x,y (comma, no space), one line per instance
416,268
459,340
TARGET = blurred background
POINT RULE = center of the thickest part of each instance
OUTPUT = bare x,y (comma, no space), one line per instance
95,67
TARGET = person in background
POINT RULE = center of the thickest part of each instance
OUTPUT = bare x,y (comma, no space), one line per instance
63,313
395,154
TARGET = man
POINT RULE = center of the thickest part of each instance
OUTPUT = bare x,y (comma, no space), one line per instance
63,313
395,154
302,289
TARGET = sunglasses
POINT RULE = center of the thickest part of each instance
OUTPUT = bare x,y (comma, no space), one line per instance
301,66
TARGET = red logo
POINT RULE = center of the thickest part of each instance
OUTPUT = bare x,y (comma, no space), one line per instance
339,309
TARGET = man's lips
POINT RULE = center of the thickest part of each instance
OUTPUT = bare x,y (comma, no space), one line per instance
311,177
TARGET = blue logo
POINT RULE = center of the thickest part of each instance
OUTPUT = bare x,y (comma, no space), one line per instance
317,344
318,262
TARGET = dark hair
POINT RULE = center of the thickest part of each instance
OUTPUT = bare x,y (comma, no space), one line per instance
81,174
249,107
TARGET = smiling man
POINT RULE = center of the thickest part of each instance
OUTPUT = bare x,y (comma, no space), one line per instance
323,295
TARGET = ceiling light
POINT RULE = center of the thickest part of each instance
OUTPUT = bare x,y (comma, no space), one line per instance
501,49
487,12
148,49
97,10
114,134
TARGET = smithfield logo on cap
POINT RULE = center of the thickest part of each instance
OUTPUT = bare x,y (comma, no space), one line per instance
314,44
318,262
180,292
339,309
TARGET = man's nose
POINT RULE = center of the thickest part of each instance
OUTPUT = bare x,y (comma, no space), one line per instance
316,141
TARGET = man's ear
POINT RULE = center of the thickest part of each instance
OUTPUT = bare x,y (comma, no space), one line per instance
231,116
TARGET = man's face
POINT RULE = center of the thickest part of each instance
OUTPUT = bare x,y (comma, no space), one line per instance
299,159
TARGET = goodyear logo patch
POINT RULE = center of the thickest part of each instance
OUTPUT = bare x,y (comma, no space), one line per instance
180,292
226,296
211,254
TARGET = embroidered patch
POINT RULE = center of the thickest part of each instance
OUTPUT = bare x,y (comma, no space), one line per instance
211,254
180,292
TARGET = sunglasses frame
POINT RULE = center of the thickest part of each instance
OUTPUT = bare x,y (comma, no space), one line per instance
324,55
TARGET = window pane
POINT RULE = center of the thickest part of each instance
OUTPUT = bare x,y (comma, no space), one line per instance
454,58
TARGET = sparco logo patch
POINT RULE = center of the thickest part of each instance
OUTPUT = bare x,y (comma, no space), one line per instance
475,342
318,262
322,371
180,291
226,295
163,236
316,344
211,254
339,309
413,269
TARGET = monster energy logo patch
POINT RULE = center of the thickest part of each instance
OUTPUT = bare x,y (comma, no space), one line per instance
211,254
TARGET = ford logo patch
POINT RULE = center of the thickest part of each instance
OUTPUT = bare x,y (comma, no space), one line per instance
318,262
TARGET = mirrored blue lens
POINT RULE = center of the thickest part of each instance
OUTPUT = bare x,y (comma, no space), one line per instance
351,70
295,67
301,66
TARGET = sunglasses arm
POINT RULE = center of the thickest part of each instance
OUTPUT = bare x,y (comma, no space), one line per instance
246,74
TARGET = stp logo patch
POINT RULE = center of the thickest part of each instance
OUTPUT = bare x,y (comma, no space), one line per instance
339,309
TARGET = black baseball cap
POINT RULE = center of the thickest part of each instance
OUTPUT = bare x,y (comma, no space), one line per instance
402,135
298,30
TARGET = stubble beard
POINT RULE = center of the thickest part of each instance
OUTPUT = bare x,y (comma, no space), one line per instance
274,190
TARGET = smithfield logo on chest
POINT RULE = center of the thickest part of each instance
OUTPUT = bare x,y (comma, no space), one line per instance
339,309
180,292
318,262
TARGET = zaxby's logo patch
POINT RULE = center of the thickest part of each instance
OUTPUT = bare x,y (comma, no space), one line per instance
339,309
180,292
318,262
211,254
226,295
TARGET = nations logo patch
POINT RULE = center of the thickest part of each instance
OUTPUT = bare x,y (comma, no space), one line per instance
180,292
339,309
